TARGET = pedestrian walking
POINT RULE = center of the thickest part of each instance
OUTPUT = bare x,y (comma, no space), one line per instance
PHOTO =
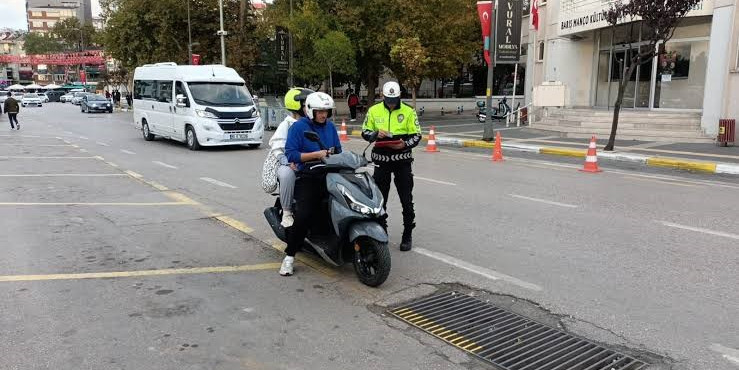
129,100
398,132
117,98
353,102
107,94
11,107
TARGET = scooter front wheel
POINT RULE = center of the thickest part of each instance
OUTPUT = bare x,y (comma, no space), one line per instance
371,261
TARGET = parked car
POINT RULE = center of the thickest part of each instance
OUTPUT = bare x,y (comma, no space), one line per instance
66,98
31,99
54,95
44,98
77,98
4,96
95,103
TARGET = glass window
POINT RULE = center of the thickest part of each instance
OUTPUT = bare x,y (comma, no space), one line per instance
220,94
681,75
693,27
165,91
540,52
144,89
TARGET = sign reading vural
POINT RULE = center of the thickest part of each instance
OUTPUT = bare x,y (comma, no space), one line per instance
508,29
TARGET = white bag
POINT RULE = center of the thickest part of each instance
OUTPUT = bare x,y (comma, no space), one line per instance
269,173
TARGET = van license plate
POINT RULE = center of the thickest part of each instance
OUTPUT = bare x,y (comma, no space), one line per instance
239,136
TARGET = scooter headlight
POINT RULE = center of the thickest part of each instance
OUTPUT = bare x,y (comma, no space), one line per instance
355,205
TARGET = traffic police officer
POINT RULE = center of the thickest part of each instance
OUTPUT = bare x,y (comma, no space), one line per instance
396,124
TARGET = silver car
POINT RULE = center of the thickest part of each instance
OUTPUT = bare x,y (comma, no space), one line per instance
66,97
77,99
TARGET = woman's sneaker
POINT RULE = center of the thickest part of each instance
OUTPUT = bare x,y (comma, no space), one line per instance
287,266
287,219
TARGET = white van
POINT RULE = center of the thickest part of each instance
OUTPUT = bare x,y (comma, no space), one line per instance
198,105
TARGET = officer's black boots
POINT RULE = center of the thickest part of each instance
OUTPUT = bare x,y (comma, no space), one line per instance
406,242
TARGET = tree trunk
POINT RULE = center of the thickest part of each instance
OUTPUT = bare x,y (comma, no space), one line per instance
331,82
619,102
413,95
371,86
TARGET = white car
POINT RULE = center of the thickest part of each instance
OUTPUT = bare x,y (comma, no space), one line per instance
66,97
44,98
4,96
31,99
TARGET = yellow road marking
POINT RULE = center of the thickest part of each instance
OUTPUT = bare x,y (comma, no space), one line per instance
236,224
119,274
93,204
437,330
157,185
133,174
179,197
111,164
566,152
306,259
682,164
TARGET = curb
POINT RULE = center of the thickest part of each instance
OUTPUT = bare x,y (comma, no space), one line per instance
663,162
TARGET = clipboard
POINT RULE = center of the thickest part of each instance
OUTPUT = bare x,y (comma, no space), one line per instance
388,143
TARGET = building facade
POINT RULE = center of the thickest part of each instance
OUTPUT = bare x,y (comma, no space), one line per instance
696,72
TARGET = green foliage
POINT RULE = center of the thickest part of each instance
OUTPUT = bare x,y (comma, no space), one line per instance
412,62
74,35
37,43
334,53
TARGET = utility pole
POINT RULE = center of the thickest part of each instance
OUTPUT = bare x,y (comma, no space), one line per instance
189,36
290,81
223,34
487,133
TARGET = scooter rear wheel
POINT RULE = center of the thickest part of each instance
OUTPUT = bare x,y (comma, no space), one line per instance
371,261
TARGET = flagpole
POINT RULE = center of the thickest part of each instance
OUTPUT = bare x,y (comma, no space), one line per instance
488,133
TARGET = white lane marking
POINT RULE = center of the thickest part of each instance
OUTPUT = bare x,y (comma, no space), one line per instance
435,181
68,175
482,271
219,183
165,165
83,150
84,138
730,354
103,144
127,151
668,182
544,201
700,230
19,157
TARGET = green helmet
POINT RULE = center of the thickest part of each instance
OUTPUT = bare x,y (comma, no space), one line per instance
295,99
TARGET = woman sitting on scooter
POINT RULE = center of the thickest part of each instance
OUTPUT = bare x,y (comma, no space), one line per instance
309,190
294,102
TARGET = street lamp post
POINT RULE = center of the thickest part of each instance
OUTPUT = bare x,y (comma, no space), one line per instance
290,81
189,35
223,34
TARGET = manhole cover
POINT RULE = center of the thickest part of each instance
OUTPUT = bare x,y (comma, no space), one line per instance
507,340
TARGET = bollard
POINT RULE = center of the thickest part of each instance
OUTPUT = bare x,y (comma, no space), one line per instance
442,111
420,113
459,110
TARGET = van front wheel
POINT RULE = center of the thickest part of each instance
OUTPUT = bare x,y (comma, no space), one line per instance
192,139
148,136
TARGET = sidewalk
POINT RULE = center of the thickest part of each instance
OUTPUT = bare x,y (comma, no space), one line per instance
464,131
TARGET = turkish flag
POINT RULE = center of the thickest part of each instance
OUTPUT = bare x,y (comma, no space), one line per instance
83,77
535,14
485,11
196,59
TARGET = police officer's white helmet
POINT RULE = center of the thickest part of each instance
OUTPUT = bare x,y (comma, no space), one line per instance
391,93
319,101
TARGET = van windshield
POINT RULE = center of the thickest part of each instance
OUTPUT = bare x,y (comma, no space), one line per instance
220,94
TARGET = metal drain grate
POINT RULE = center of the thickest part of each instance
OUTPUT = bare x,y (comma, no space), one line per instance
507,340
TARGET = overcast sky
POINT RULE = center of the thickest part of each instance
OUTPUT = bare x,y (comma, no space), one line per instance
13,13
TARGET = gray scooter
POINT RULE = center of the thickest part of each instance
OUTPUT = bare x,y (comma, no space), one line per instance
350,229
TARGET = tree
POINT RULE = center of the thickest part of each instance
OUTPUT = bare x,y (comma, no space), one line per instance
334,53
74,35
660,18
413,63
37,43
142,31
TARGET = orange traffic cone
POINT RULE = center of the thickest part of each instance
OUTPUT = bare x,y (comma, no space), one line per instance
498,149
342,133
431,144
591,161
